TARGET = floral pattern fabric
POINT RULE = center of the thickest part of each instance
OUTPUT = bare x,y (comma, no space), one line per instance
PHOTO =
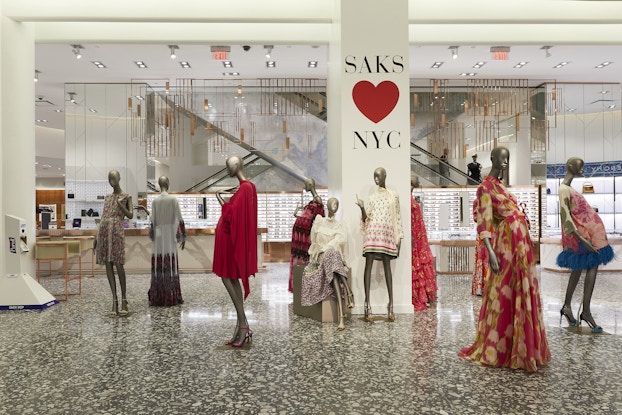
510,331
383,226
301,237
423,273
481,268
110,233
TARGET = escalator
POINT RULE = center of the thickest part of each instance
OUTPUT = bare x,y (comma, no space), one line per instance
253,166
427,166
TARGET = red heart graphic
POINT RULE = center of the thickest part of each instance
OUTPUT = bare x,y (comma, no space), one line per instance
375,102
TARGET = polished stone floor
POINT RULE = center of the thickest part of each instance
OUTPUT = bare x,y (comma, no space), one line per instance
73,359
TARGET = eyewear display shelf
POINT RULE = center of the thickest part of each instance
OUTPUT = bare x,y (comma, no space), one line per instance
85,196
451,209
604,200
275,211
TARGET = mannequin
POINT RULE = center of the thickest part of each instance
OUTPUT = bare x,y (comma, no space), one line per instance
301,231
167,229
235,250
584,242
510,331
109,244
422,266
382,227
326,272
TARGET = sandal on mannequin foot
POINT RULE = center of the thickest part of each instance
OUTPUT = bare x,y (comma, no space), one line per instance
368,316
567,312
115,308
390,314
248,336
350,300
124,308
235,336
590,322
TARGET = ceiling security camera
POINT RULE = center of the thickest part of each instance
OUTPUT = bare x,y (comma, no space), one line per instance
246,48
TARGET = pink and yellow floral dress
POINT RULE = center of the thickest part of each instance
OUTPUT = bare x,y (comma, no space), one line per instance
423,273
510,331
110,233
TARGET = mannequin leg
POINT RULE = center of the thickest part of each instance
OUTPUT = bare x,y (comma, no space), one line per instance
242,331
369,262
348,293
337,288
123,284
566,310
386,262
113,287
586,314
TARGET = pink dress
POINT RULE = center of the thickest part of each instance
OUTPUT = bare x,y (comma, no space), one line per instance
423,273
110,233
481,268
510,331
383,227
301,237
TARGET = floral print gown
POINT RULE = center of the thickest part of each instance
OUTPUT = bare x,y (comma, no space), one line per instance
510,331
423,273
110,234
481,268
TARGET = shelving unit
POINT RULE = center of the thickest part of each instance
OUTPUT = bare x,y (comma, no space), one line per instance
85,196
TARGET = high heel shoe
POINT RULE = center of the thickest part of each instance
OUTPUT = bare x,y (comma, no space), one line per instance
247,337
368,316
342,324
390,314
115,308
350,300
595,327
124,308
235,336
567,312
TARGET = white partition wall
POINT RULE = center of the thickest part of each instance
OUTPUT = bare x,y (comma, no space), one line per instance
369,73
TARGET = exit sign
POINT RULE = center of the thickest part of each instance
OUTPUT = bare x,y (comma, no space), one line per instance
220,55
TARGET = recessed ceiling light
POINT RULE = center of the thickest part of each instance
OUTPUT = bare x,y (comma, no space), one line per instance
571,109
184,65
468,74
560,65
436,65
604,92
612,106
227,64
271,64
139,97
57,110
42,121
230,73
602,65
98,64
312,64
140,64
479,65
93,110
520,64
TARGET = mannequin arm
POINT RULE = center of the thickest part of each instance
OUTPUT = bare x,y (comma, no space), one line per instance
587,244
492,257
361,204
127,207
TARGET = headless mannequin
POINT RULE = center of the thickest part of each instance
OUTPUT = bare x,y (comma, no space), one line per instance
380,176
309,187
163,182
332,206
574,167
127,207
233,286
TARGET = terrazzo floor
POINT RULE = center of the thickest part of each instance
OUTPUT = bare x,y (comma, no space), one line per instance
73,359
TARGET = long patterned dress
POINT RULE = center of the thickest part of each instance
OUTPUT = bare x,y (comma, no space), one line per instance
110,233
167,229
423,273
383,227
301,237
510,332
327,253
577,215
481,269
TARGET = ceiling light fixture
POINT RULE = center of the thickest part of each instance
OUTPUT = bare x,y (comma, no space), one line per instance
571,109
612,106
602,65
140,64
437,65
173,48
271,64
479,65
93,110
72,97
37,75
547,51
468,74
98,64
227,64
185,65
560,65
454,52
230,73
312,64
77,50
520,64
42,121
268,49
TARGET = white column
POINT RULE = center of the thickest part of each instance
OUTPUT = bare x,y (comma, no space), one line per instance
17,196
368,62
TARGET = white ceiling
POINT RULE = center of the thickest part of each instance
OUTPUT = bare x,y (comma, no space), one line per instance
58,65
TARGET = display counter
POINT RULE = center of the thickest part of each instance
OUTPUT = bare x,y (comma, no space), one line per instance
551,247
197,255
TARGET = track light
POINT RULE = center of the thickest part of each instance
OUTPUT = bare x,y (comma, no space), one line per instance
268,49
454,52
77,50
547,51
72,97
37,75
173,48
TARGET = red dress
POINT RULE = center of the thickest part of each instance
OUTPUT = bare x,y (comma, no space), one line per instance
301,237
423,273
235,250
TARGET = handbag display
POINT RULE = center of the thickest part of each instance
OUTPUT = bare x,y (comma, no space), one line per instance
588,187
